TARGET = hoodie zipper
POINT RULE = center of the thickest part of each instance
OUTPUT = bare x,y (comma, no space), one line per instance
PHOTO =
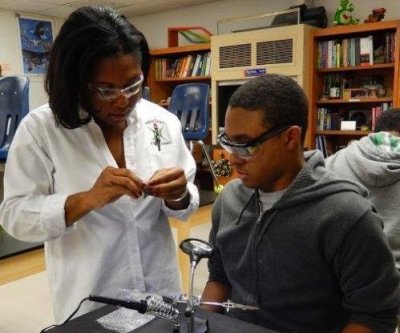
253,250
261,224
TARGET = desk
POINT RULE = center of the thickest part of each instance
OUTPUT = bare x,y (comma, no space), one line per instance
202,216
217,323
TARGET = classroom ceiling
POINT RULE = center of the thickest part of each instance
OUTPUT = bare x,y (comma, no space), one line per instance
62,8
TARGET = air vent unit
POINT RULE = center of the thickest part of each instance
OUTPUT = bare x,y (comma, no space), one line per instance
239,56
235,56
275,52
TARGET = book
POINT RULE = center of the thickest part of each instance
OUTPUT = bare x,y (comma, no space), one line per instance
208,64
203,65
366,51
198,73
357,59
191,65
186,66
196,65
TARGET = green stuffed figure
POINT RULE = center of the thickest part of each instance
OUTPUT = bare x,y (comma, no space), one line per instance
343,14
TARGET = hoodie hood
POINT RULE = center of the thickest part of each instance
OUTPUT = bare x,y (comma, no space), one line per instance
314,181
373,165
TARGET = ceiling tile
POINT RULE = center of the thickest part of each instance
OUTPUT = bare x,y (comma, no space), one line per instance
62,8
58,11
25,6
81,3
53,2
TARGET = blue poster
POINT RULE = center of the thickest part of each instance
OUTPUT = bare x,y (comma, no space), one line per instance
36,42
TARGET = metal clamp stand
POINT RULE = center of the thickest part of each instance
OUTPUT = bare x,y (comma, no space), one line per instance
196,249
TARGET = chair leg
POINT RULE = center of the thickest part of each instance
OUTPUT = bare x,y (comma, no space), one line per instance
207,155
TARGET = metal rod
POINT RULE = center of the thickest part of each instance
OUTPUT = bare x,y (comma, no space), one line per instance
203,147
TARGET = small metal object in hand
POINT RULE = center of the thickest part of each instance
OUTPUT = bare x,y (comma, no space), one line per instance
145,192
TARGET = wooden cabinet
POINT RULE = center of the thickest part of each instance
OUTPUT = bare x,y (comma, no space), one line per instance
355,76
163,81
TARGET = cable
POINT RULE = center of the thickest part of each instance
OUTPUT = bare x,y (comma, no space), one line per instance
140,306
66,320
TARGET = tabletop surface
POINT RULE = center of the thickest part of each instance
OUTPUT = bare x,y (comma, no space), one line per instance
216,323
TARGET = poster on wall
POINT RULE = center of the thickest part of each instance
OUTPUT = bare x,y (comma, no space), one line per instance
36,38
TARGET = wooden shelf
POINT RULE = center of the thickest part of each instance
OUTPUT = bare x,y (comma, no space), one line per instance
366,28
355,68
183,79
343,133
161,88
355,100
178,50
326,41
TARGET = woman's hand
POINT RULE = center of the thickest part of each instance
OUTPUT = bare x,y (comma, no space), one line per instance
170,184
111,184
114,183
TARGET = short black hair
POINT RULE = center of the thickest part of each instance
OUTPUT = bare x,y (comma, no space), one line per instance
280,98
89,34
388,121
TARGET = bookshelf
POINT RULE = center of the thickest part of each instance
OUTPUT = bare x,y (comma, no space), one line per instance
165,73
355,77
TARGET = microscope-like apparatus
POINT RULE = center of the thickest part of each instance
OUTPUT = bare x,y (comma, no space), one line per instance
192,321
198,249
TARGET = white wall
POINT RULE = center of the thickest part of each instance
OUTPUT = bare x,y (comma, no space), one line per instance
155,26
11,56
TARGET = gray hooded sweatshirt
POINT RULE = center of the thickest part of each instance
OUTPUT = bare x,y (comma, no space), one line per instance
379,171
315,261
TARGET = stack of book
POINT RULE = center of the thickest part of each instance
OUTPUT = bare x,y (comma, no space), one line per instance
356,51
188,66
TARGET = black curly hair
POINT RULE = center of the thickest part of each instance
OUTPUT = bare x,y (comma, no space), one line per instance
388,121
280,98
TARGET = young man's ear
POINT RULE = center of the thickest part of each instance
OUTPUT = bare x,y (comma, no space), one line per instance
293,137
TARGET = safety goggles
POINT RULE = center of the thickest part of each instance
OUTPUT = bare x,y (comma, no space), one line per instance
111,94
246,150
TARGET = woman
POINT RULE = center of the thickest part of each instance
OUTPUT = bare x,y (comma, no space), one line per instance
96,173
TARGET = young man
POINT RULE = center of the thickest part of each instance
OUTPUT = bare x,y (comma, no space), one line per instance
374,161
289,236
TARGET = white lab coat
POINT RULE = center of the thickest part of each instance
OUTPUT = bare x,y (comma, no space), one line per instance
125,244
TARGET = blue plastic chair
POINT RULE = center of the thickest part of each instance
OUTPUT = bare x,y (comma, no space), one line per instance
146,93
190,102
14,105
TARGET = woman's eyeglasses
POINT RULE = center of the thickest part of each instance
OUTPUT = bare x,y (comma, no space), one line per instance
246,150
111,94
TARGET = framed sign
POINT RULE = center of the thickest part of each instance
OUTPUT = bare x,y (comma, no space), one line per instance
36,38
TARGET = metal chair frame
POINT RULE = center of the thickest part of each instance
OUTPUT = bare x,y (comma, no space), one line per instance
190,103
14,105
